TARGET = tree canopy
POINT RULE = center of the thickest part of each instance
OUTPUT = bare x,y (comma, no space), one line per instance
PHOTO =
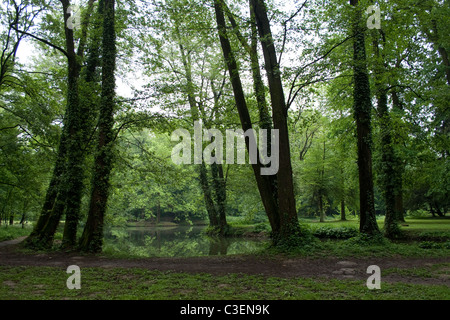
88,108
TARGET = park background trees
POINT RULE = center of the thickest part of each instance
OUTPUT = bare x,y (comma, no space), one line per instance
312,70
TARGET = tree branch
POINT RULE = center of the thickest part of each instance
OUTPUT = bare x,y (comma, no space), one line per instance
43,41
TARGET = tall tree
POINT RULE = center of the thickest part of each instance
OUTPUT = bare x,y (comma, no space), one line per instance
286,200
66,186
362,108
264,183
92,238
388,158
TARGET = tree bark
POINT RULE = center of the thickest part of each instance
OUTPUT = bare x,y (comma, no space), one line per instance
65,189
92,238
362,108
343,218
264,183
207,195
388,157
193,105
220,196
289,226
321,187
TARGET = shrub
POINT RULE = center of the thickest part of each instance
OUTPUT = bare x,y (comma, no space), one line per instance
434,245
335,233
418,213
363,239
261,227
440,236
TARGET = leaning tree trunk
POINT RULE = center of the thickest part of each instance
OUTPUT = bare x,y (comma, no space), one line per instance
264,183
92,238
65,188
362,108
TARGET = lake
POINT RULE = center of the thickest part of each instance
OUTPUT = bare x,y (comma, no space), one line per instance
179,241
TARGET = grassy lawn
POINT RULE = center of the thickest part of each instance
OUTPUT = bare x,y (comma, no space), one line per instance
44,283
96,283
8,232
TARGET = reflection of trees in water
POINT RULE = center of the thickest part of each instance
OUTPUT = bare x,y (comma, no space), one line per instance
174,242
218,246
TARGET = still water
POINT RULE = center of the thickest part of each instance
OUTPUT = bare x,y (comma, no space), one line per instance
180,241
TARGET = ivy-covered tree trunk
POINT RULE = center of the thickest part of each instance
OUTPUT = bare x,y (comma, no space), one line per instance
389,177
289,226
68,188
92,238
65,189
207,195
264,183
52,193
362,108
220,196
397,107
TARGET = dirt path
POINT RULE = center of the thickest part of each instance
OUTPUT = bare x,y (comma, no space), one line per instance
349,268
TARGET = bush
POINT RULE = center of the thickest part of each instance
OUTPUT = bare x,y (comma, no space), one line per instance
418,213
335,233
261,227
434,245
363,239
440,236
300,239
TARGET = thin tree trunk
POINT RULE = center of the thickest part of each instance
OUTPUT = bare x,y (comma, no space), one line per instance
321,188
343,218
362,112
220,195
399,166
203,174
207,195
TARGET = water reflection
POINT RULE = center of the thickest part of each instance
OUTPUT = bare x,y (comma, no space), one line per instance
180,241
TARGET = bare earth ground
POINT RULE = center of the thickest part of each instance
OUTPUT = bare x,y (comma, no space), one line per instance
350,268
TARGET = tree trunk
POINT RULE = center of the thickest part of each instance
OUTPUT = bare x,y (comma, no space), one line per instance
158,210
388,158
193,105
320,205
65,189
289,226
220,196
207,195
52,192
92,238
343,218
264,183
362,107
321,188
397,106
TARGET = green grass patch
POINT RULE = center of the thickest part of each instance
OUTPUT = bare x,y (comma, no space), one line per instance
437,271
96,283
10,232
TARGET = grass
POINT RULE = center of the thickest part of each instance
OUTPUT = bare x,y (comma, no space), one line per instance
49,283
45,283
10,232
